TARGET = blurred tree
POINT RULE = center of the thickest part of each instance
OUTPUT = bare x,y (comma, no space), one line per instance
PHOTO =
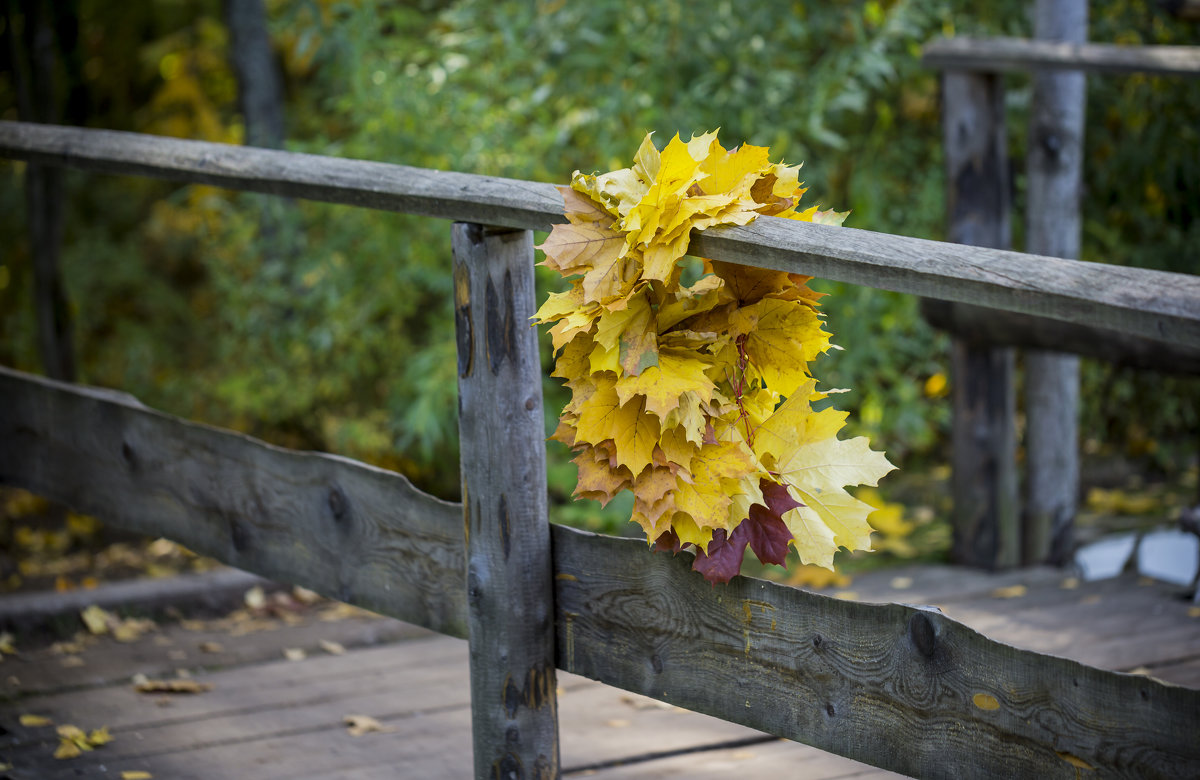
347,345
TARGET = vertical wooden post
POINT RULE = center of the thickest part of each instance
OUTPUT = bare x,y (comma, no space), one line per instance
1053,227
33,56
984,480
514,711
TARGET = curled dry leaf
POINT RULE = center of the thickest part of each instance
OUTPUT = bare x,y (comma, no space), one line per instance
333,648
171,686
357,725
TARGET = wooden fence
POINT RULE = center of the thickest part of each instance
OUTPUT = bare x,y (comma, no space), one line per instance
897,686
993,526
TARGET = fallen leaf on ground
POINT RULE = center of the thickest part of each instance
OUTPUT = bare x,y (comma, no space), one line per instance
212,647
1010,592
617,723
304,595
67,749
846,595
8,643
131,629
96,619
255,598
901,583
171,686
35,721
357,725
294,653
71,662
333,648
136,774
1070,583
72,740
1193,611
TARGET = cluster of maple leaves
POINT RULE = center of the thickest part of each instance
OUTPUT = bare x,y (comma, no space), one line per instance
699,398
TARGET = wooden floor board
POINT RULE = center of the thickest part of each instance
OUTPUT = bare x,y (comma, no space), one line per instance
266,717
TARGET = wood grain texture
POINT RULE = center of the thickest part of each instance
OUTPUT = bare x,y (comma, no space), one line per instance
1154,304
891,685
1020,54
510,587
346,530
894,686
984,434
1053,226
445,194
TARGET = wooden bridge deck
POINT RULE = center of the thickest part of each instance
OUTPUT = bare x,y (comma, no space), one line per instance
266,716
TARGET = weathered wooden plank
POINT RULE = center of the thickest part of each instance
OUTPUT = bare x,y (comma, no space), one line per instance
343,529
984,433
1053,226
770,759
1155,305
1152,304
509,575
1019,54
431,193
211,589
992,327
891,685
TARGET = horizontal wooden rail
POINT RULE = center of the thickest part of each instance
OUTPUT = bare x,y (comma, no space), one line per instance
1001,55
1152,304
896,686
346,530
988,327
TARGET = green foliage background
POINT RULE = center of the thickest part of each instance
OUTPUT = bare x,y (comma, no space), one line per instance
336,333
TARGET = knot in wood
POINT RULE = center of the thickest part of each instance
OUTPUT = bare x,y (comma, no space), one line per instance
129,456
338,505
923,634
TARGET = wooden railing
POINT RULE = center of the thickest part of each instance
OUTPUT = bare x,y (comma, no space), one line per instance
894,685
996,523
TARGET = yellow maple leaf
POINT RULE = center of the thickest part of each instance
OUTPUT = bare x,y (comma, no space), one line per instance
782,337
666,385
578,248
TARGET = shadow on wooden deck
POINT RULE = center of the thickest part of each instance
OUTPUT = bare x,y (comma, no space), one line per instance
268,717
